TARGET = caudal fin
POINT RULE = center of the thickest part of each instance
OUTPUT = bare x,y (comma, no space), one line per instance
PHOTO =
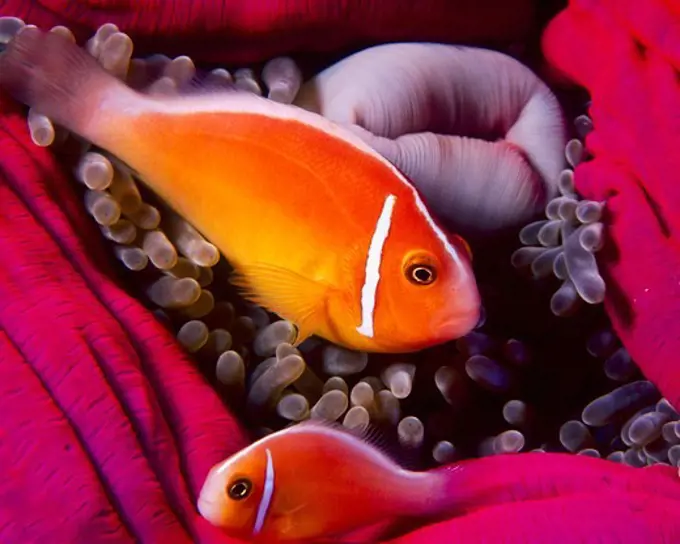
56,78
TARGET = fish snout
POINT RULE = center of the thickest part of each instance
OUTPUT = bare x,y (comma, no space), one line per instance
459,314
211,510
212,500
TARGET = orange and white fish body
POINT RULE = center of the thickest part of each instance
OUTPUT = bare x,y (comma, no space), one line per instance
314,481
318,227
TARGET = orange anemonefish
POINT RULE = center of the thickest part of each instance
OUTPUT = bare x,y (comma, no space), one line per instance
319,228
310,482
319,482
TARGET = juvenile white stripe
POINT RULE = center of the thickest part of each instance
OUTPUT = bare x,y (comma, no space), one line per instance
373,262
267,493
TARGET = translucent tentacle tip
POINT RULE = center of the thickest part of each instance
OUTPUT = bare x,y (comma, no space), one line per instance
9,26
565,243
111,48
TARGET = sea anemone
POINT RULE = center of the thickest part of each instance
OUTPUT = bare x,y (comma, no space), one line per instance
564,244
492,391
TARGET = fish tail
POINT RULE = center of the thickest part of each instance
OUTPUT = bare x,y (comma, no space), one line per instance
59,79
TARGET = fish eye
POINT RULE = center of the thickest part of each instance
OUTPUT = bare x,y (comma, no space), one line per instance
421,274
240,489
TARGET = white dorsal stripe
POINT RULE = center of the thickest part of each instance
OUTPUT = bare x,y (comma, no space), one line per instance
246,103
267,493
374,258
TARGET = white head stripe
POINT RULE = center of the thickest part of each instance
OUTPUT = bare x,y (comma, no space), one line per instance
373,262
267,493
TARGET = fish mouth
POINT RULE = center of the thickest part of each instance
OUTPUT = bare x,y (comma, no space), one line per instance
460,324
461,316
209,510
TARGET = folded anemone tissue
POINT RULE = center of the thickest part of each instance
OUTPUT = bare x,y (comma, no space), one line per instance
541,368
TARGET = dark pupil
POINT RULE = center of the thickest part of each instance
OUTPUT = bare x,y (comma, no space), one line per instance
239,489
422,274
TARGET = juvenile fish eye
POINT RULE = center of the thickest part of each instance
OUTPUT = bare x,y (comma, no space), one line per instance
421,274
240,489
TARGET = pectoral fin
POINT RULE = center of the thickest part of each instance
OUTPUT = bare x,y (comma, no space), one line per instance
290,295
